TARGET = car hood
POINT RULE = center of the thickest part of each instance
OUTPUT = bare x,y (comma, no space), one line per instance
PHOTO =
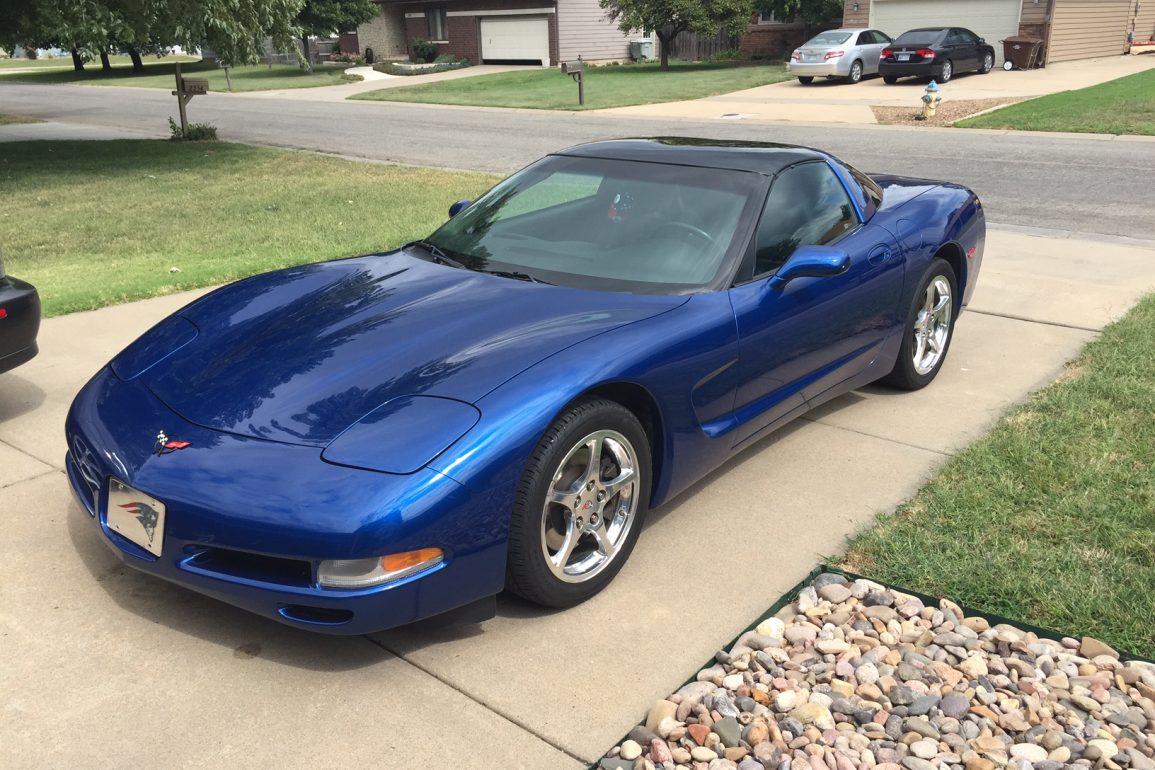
301,354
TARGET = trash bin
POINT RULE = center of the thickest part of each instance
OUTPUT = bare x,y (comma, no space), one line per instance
642,50
1021,53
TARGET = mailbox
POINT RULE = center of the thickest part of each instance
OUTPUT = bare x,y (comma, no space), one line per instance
573,67
195,86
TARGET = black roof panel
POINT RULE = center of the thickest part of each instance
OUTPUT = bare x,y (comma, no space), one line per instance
760,157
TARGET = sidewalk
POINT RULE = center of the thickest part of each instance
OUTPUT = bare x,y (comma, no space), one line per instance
51,130
381,80
828,101
101,659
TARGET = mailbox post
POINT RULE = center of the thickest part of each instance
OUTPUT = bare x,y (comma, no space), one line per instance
576,70
186,89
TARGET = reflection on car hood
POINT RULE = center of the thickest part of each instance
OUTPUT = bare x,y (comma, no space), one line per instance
299,355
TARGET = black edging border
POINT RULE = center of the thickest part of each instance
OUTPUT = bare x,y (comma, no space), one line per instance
926,599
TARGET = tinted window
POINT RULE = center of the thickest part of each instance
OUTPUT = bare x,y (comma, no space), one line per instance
829,38
870,189
807,205
880,38
865,39
920,37
613,225
967,37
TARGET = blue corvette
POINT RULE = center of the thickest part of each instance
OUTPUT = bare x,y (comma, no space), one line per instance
353,445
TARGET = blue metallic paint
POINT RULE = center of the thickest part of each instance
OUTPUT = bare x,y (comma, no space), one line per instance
281,383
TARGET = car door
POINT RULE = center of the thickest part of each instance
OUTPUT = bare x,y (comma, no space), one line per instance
798,340
961,54
867,51
880,41
973,47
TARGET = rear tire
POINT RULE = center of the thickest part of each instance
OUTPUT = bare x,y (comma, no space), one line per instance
805,79
928,330
890,79
855,72
580,505
947,71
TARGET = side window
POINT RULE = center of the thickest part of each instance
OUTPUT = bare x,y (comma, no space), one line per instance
881,38
807,205
954,38
870,189
967,38
865,38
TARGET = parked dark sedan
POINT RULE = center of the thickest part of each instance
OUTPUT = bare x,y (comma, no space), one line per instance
19,321
935,52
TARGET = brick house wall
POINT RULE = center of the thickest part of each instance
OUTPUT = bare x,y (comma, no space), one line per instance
463,33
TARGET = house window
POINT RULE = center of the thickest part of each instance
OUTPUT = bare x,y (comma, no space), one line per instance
436,22
766,17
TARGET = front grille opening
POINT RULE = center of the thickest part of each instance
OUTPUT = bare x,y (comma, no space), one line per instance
252,566
319,616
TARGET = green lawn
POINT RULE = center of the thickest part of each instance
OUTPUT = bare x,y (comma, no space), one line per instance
66,62
11,120
96,223
619,86
1123,106
1051,518
259,77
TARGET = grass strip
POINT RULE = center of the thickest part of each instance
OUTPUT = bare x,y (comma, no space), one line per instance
607,86
258,77
1051,517
1123,106
12,120
97,223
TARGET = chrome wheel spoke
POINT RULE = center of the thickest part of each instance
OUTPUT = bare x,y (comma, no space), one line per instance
594,445
606,546
616,485
940,306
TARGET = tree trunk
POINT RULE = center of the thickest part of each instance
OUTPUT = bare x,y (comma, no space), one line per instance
77,61
664,40
305,51
137,64
105,64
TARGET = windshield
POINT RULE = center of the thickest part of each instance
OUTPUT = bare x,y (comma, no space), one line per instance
829,38
919,37
611,225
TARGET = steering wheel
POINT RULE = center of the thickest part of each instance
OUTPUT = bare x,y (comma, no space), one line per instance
685,227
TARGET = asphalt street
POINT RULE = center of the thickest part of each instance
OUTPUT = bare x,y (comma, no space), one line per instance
1057,182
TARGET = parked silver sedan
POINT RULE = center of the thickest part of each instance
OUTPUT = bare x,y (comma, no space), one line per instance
839,53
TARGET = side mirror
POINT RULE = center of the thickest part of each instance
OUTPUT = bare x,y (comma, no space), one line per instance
982,41
811,262
458,207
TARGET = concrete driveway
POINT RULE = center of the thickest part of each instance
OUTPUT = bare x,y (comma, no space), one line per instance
105,667
832,101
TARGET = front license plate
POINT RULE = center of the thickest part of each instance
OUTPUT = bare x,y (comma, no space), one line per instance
903,57
135,516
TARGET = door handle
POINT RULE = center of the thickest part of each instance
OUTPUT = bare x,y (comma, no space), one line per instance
878,255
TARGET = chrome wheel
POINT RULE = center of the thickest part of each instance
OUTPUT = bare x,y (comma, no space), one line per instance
855,72
947,71
932,326
988,63
590,507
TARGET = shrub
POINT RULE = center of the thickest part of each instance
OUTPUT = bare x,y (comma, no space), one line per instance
197,132
424,50
349,58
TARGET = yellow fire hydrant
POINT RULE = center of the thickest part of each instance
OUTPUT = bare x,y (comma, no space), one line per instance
930,101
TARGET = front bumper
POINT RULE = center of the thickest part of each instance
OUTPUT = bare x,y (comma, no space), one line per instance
20,322
248,521
839,67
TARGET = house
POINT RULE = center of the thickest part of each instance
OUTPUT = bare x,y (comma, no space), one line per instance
1071,29
521,31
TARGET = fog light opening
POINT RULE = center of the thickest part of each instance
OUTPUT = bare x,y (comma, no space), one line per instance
365,573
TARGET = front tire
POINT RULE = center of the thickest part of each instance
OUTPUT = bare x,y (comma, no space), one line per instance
805,79
988,63
855,72
580,505
928,330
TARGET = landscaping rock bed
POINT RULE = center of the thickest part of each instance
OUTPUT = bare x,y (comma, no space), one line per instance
854,675
945,115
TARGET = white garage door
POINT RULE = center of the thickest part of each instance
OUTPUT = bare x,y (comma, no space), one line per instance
993,20
515,39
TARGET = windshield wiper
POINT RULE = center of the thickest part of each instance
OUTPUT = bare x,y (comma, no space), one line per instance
517,276
439,256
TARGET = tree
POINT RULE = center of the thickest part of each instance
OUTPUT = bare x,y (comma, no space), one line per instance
324,17
810,12
234,29
669,18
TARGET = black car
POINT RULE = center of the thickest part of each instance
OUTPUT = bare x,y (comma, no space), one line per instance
937,53
19,321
